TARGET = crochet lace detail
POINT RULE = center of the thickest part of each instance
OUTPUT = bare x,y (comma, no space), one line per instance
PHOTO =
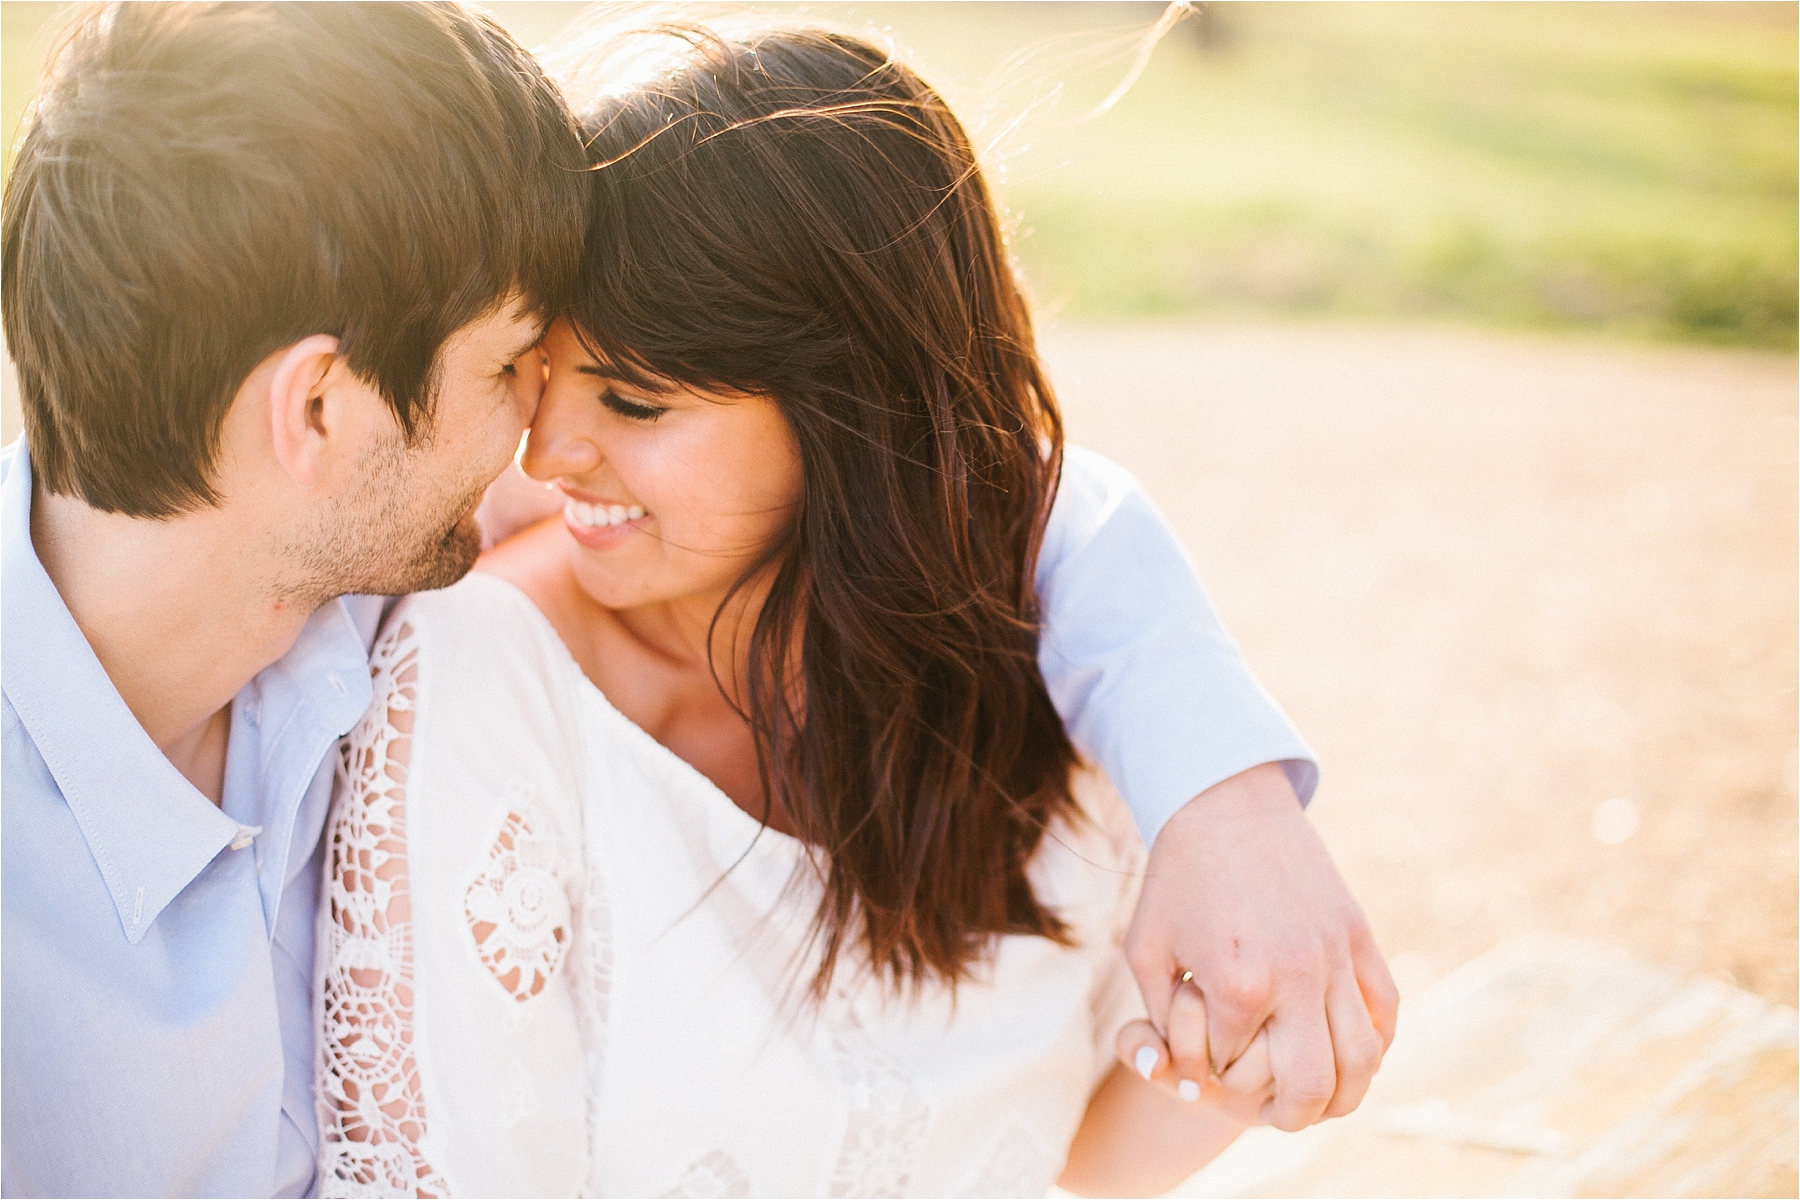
590,968
887,1120
1018,1164
371,1102
714,1173
517,910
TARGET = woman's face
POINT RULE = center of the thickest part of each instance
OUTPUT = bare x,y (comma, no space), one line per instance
668,495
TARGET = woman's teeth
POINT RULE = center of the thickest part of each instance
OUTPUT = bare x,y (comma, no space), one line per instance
594,515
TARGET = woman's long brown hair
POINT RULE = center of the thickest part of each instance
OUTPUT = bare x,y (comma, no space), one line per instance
794,214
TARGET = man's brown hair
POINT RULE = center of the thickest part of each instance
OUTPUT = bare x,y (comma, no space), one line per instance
204,183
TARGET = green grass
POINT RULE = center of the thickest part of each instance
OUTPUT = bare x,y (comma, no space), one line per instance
1619,168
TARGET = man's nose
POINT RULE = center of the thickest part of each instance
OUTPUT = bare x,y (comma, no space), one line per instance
529,376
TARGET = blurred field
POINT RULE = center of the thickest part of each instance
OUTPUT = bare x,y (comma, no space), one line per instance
1533,601
1553,1067
1627,168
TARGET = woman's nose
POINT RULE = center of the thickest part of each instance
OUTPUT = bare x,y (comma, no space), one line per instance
556,444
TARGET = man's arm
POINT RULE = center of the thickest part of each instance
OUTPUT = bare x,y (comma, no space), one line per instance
1148,682
1240,891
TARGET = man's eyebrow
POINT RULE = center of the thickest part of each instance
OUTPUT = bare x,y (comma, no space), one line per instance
528,341
524,344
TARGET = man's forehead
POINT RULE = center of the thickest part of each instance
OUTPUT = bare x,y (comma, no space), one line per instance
510,329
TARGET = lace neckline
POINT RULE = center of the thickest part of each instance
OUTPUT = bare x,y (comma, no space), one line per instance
703,791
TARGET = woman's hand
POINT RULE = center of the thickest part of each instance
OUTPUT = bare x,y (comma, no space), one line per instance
1148,1127
1240,1092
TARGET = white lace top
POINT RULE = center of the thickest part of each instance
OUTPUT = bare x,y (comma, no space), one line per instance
556,960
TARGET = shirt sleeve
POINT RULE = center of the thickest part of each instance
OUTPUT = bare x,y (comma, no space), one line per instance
1149,684
452,1059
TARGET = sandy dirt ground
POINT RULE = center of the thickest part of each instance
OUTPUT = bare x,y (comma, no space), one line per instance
1532,601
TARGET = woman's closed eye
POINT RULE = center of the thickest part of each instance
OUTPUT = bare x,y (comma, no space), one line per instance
631,410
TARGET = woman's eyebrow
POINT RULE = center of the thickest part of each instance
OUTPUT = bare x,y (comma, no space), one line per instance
590,369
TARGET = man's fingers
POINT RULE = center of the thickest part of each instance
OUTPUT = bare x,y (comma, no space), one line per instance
1153,966
1380,997
1240,889
1305,1071
1251,1074
1356,1045
1236,1008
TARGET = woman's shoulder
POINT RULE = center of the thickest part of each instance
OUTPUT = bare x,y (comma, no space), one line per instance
1100,826
476,623
480,666
477,595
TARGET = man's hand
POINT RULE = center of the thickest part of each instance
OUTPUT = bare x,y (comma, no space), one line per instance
1241,892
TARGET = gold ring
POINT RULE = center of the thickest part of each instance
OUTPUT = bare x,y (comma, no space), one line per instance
1186,977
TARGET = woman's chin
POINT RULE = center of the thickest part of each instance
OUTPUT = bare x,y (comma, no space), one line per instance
618,579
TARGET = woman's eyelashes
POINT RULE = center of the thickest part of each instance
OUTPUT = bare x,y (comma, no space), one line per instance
631,410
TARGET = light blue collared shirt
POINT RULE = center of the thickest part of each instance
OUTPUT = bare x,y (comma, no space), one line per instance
1149,684
157,993
157,1026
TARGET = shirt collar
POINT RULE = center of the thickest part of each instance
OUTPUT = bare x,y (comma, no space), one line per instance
286,722
149,830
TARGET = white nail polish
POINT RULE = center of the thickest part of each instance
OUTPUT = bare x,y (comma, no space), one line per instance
1188,1090
1145,1061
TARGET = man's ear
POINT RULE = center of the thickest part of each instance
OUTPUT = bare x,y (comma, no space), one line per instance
297,406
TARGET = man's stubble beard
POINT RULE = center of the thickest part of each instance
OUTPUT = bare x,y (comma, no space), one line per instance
376,544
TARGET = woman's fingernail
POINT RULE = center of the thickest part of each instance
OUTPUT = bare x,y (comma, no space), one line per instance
1188,1090
1146,1061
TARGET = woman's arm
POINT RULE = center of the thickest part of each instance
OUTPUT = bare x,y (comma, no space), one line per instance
415,1107
1138,1140
1146,1128
371,1101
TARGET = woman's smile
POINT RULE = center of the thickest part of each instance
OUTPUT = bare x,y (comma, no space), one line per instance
600,522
